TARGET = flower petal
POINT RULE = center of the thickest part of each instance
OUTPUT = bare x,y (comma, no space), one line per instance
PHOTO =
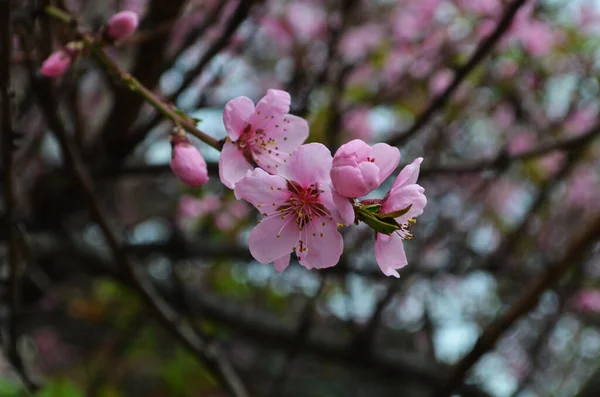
282,263
401,198
273,238
324,245
232,165
389,253
265,192
276,102
386,158
236,115
309,164
288,132
344,208
409,174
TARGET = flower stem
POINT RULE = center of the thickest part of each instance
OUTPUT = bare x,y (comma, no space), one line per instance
131,82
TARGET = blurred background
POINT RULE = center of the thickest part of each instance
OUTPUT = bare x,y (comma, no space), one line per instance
499,97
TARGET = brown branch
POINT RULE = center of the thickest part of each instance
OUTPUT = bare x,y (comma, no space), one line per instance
10,202
503,160
440,101
208,354
574,256
147,69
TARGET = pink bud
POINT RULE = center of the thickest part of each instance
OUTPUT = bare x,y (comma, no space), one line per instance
122,25
57,63
187,162
359,168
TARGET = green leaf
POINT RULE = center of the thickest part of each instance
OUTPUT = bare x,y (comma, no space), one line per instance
380,225
373,208
395,214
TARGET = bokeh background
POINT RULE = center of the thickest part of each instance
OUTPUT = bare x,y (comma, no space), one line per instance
501,100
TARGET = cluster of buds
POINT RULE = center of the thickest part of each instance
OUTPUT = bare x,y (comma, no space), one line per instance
120,26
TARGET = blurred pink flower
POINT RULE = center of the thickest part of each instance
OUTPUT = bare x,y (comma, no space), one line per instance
480,7
122,25
405,192
298,209
356,124
504,116
581,120
583,188
187,162
263,137
359,168
360,41
412,19
440,81
57,63
587,300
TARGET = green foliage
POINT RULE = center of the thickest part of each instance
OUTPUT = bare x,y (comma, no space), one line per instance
60,388
184,375
10,389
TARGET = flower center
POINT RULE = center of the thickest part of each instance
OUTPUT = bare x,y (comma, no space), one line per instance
303,204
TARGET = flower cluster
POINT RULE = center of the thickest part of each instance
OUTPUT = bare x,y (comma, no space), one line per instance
305,194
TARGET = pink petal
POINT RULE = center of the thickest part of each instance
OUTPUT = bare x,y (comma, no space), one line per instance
288,132
324,245
386,158
355,181
265,192
409,174
122,25
275,103
282,263
236,115
232,165
401,198
273,238
389,253
309,164
344,207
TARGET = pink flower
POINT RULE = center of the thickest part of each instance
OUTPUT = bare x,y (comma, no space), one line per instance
122,25
359,42
587,300
263,137
298,209
359,168
389,250
57,63
356,124
440,81
187,162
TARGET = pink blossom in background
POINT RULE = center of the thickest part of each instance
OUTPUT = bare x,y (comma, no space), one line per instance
225,213
389,250
187,162
356,125
523,142
587,300
480,7
122,25
191,207
504,116
583,188
307,20
359,42
581,120
507,68
358,168
538,38
278,31
440,81
298,209
413,18
57,63
263,136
